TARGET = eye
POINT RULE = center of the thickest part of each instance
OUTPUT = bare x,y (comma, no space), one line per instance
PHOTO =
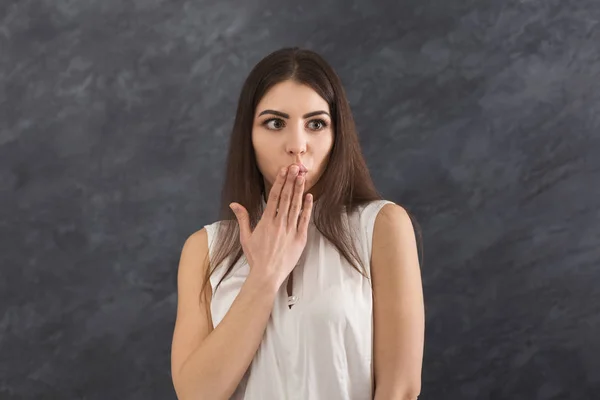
274,123
318,124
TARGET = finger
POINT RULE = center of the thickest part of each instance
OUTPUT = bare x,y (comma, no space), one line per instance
243,220
306,213
286,195
296,201
275,194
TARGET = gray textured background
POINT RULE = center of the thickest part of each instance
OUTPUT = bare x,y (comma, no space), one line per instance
481,117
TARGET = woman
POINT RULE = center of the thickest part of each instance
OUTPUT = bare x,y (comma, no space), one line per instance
311,288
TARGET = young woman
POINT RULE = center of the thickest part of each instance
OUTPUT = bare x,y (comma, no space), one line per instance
309,285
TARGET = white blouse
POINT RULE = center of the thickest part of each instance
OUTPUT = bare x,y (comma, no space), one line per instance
322,347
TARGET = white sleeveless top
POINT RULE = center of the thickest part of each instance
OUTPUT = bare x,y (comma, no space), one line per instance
321,348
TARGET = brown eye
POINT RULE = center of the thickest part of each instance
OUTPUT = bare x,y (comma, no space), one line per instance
274,124
317,124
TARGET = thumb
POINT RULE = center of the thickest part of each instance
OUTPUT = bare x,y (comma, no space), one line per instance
243,220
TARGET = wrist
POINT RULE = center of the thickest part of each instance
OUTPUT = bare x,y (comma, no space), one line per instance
267,283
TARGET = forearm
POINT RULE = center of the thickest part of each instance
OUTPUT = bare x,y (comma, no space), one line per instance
214,369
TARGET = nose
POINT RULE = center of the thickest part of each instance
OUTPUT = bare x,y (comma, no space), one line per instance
296,141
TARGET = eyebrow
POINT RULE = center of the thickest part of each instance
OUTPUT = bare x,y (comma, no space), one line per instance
287,116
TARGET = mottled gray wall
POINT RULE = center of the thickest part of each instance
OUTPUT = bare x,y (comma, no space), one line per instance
482,117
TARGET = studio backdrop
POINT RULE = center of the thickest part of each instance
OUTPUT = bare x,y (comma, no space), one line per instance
482,118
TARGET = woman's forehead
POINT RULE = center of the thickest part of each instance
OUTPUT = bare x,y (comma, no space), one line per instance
292,98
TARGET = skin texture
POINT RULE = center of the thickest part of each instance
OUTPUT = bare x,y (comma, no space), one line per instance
279,142
398,306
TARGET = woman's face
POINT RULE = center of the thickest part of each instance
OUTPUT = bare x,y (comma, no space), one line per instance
292,124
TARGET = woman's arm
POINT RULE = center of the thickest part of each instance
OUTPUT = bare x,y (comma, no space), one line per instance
398,307
207,363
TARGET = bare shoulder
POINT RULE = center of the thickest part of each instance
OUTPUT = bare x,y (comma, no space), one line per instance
393,237
194,263
196,239
193,322
194,254
398,305
392,219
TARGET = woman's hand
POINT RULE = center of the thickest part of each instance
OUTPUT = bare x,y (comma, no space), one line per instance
277,242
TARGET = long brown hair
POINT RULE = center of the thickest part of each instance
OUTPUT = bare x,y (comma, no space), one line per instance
346,176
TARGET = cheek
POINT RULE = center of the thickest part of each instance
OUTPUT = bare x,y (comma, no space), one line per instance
263,143
263,151
261,147
325,150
